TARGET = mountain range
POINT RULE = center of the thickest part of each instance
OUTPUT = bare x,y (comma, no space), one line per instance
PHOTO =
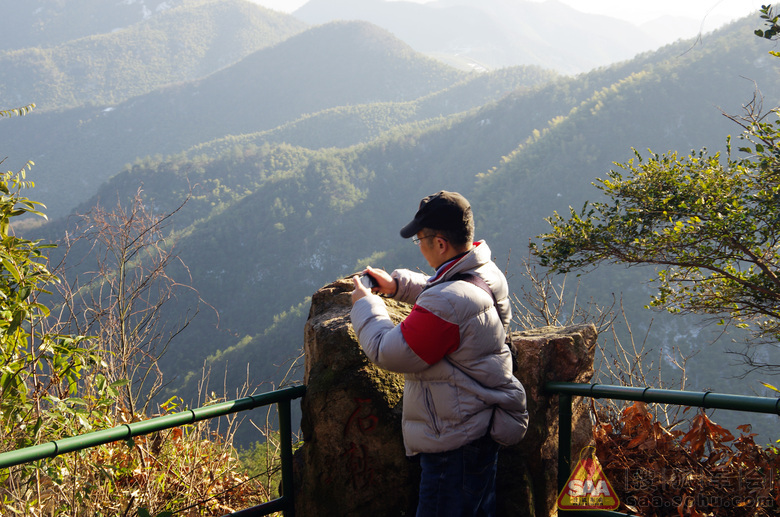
498,33
479,35
306,149
181,42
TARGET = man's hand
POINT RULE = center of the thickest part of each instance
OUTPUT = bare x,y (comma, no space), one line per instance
360,290
385,284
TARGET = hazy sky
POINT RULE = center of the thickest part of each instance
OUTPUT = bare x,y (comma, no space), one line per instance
720,11
646,10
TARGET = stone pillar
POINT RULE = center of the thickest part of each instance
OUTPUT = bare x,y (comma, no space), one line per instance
352,461
545,354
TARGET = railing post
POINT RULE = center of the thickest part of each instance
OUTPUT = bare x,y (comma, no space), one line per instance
564,439
285,437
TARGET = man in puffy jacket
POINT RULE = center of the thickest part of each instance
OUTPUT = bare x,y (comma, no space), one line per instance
461,399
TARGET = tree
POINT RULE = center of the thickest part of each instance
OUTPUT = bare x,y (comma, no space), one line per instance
772,30
709,223
55,384
128,253
34,360
40,368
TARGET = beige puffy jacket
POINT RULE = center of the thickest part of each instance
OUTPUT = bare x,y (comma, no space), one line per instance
458,370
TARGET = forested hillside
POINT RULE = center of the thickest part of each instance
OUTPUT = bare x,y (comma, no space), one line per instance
673,103
350,63
345,126
302,161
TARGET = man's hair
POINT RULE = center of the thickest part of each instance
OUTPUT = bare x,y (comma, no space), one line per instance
460,238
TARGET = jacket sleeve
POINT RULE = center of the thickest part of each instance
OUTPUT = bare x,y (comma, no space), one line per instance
410,285
381,340
430,336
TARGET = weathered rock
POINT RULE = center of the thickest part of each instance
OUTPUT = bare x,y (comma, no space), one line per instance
545,354
352,462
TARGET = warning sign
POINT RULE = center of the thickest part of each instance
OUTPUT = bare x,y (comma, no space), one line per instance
588,489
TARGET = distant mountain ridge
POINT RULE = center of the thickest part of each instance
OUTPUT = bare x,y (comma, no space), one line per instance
336,64
345,126
43,23
178,44
495,33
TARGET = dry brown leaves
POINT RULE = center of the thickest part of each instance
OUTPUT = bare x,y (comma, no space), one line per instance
657,472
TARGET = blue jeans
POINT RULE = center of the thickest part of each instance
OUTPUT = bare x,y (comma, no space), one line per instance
461,482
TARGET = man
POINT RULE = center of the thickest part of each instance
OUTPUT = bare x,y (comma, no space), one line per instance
461,399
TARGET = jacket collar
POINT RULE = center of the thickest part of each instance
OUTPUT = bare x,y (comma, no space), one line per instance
442,270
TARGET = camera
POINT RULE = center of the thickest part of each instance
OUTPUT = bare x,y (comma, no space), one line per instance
368,281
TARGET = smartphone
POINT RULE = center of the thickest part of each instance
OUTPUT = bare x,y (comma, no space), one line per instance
368,281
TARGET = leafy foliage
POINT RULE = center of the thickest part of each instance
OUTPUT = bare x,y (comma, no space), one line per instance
40,369
710,224
31,355
770,20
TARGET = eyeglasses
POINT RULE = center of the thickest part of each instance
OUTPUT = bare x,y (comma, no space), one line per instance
417,240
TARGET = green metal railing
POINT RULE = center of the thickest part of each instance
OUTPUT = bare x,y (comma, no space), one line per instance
707,400
282,398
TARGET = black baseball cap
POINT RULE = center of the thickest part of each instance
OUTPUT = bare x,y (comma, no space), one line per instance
441,211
